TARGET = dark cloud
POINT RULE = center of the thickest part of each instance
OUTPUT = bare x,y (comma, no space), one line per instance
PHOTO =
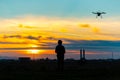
25,48
7,42
39,37
94,42
12,36
32,37
93,45
51,42
89,45
23,37
51,38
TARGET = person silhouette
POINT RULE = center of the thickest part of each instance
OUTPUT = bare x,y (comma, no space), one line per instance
60,51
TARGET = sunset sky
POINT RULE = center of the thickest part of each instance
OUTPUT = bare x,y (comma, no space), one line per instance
26,25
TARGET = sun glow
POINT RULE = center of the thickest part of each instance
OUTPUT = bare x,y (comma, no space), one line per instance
33,45
34,51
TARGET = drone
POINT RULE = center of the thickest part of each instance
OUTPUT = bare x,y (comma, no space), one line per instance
99,14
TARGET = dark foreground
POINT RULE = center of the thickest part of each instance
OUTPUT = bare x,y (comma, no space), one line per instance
47,70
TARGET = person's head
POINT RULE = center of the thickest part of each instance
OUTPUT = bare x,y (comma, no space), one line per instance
59,42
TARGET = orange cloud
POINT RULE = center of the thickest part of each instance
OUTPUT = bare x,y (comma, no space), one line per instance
96,30
85,25
24,26
56,27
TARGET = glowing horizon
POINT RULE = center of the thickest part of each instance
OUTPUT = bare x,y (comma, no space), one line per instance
38,24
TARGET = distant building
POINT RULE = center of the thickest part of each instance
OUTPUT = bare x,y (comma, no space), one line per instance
82,55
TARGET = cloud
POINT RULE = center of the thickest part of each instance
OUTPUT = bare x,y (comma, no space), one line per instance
96,30
93,28
94,45
51,42
51,38
63,27
8,42
85,25
25,26
32,37
22,37
12,36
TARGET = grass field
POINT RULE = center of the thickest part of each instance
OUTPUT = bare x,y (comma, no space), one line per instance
47,70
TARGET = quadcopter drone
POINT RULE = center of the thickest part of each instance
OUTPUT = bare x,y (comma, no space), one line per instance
99,14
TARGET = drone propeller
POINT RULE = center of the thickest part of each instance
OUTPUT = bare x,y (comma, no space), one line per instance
103,12
94,13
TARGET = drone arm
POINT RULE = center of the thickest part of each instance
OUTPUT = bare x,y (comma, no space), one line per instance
94,13
103,12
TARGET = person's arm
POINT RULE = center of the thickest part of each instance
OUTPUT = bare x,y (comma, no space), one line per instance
64,49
